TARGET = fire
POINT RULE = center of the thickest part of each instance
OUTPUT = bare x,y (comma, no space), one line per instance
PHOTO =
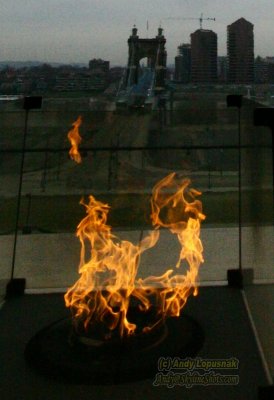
75,139
108,284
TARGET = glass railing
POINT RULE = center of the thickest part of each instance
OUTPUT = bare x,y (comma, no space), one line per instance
124,154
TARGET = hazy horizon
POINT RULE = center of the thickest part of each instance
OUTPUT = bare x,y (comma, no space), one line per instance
71,31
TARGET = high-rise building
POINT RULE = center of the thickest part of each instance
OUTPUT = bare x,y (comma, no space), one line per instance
203,56
240,52
183,63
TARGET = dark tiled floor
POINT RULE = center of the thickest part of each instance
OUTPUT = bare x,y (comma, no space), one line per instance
219,310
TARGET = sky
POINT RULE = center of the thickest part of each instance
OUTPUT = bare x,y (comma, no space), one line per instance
75,31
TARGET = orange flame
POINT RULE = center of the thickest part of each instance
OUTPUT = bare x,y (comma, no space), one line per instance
75,139
107,284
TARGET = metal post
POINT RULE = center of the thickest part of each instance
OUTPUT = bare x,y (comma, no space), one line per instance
264,116
16,287
240,187
235,276
26,228
19,194
44,175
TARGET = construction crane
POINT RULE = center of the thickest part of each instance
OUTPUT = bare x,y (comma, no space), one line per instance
201,19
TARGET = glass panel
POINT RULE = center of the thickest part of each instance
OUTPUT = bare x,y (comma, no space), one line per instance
258,242
123,155
53,186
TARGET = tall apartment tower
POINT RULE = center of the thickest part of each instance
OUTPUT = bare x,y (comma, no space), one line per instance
183,63
240,52
203,56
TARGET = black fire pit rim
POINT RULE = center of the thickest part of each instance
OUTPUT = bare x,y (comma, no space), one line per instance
106,370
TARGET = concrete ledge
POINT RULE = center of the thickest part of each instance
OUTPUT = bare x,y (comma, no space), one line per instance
51,260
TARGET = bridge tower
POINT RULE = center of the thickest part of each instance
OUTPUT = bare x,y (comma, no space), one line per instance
154,50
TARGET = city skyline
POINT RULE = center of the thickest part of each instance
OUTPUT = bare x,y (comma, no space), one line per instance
76,31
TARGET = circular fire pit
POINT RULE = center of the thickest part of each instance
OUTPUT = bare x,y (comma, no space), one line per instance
58,352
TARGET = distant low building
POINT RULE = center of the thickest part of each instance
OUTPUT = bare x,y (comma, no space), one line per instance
80,81
261,74
97,65
270,62
116,73
271,73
